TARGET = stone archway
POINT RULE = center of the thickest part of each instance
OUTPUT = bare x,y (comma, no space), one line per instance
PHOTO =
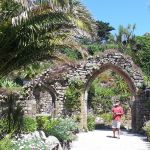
126,78
45,99
58,78
122,65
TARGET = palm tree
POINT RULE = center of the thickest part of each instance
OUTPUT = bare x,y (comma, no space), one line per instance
33,32
125,37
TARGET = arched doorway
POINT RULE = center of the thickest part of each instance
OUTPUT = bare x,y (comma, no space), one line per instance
86,71
45,100
131,88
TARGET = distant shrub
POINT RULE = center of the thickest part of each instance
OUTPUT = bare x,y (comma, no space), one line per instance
72,97
29,125
147,129
71,54
95,48
42,122
107,117
64,129
91,122
7,83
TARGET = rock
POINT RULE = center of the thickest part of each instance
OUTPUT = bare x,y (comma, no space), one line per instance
36,134
42,135
52,142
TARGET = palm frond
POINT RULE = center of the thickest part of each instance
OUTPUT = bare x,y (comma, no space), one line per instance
50,25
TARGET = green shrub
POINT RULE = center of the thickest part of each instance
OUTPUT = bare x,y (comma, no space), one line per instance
29,125
50,125
72,102
71,54
7,83
5,143
42,122
72,94
64,129
91,122
100,97
46,123
95,48
147,129
107,117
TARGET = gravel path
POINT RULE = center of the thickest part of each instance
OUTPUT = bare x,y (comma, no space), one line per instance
102,140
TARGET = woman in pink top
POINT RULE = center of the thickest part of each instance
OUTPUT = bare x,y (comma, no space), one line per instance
117,112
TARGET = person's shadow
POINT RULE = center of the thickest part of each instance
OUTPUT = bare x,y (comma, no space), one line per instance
110,136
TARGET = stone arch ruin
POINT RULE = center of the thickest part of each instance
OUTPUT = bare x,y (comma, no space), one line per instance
54,81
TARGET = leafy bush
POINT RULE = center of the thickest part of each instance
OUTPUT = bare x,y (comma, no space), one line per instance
5,143
72,101
29,125
91,122
101,102
7,83
107,117
72,54
42,122
95,48
46,123
29,144
64,129
147,129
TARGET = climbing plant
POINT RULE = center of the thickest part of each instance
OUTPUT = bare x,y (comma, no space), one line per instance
72,95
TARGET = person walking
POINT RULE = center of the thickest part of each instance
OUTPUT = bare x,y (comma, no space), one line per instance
117,112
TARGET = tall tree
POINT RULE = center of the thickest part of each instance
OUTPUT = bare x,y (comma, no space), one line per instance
103,30
125,37
142,55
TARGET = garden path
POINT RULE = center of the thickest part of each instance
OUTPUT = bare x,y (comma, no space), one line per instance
102,140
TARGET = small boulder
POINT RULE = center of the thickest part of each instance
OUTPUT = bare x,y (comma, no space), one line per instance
52,142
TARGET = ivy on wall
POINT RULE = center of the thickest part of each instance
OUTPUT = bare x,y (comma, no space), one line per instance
72,97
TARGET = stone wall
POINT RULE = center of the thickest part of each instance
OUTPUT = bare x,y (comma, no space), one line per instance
143,108
45,93
140,109
41,105
57,79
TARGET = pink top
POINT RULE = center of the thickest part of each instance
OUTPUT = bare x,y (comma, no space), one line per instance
115,110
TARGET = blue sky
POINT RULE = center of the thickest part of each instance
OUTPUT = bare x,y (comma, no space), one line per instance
122,12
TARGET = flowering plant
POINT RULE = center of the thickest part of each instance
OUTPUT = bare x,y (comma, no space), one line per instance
29,144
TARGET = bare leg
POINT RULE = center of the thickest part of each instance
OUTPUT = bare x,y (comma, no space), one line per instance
118,133
114,130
